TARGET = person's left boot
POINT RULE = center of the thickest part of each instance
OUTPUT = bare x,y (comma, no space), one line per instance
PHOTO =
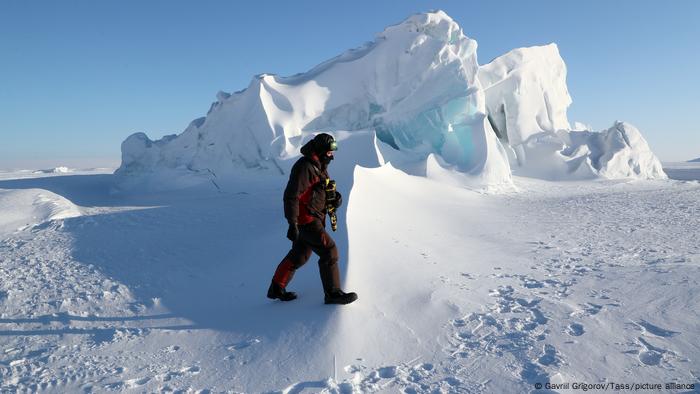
280,293
337,296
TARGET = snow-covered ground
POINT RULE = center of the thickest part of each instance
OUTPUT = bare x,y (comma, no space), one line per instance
460,291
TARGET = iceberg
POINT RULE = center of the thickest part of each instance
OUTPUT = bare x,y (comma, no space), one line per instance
526,101
415,86
419,88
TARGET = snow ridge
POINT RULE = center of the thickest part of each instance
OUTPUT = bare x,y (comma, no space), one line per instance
26,208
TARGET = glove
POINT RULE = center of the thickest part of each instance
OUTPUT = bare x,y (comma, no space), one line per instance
293,232
338,200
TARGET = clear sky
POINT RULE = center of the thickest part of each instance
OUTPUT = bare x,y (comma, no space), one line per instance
77,77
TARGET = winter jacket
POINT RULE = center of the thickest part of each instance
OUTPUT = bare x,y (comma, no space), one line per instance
305,194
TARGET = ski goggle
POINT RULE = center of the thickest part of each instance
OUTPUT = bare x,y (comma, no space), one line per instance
333,146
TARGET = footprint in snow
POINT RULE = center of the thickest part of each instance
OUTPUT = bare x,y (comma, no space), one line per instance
387,372
537,316
589,309
459,322
452,381
651,355
532,283
575,330
548,356
528,304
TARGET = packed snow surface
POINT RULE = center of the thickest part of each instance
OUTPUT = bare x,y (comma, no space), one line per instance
593,281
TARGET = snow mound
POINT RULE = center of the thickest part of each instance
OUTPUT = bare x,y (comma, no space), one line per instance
626,154
694,160
526,101
415,85
24,208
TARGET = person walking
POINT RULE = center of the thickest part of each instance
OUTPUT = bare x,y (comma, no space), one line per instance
306,204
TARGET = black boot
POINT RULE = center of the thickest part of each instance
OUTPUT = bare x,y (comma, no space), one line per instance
337,296
277,292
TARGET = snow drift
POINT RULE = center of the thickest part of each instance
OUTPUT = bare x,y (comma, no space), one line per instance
29,207
419,87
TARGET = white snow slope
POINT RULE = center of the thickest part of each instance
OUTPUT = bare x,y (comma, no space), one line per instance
593,282
27,208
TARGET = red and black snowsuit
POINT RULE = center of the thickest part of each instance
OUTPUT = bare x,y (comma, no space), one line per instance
305,205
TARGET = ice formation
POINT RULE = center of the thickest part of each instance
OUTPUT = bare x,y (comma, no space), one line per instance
55,170
415,85
526,93
419,87
526,101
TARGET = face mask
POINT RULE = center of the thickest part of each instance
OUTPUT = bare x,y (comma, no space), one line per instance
325,159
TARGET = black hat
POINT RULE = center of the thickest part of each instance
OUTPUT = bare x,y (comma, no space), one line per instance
324,142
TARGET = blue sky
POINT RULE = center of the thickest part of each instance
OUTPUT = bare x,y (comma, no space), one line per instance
78,77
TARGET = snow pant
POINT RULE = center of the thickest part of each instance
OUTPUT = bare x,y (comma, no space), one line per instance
312,237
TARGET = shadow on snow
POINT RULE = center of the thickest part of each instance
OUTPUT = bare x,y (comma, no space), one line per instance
208,259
